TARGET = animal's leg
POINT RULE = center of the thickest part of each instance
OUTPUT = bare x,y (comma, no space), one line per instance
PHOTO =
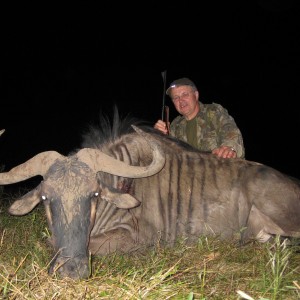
260,227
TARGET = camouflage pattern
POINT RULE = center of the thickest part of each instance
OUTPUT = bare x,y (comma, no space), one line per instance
215,128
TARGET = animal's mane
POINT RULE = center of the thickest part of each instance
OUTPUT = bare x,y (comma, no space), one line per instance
110,128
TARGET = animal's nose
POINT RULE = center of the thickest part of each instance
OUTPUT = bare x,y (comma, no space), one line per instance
75,268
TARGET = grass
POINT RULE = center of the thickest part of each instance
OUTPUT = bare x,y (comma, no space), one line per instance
208,269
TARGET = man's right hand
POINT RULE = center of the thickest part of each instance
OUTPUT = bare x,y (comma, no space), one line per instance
161,126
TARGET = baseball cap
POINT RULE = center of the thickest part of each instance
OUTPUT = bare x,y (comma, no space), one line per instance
180,82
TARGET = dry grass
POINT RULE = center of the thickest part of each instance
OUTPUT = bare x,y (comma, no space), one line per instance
210,269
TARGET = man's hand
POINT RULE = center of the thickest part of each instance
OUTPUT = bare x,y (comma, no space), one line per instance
225,152
161,126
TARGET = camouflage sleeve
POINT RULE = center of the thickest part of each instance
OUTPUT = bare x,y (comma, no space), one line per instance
228,132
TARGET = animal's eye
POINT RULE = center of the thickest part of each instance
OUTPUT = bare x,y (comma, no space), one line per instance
94,194
44,197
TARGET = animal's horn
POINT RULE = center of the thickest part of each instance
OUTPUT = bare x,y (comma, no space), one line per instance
100,161
37,165
2,131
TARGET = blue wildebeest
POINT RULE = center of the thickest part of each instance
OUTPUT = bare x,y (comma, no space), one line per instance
122,190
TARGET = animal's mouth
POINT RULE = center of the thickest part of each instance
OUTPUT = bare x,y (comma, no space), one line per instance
75,267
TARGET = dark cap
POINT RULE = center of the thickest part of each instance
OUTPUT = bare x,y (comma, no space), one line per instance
180,82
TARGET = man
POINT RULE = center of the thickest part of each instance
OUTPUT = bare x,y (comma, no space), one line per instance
207,127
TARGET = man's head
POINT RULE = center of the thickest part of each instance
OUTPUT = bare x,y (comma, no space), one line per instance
185,96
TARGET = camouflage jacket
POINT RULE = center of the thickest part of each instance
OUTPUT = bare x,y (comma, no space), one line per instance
215,128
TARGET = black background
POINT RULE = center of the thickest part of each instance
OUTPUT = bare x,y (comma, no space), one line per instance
61,66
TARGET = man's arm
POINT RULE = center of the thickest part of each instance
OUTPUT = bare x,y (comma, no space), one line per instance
229,134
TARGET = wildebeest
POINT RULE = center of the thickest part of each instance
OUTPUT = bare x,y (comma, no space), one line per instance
124,189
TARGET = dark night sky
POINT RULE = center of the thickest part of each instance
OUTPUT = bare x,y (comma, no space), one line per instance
57,73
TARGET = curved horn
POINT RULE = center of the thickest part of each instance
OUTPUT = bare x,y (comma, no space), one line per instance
99,161
37,165
2,131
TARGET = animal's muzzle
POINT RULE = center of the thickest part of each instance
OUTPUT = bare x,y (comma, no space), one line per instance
75,268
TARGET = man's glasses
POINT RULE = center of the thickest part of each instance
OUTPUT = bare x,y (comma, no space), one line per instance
184,95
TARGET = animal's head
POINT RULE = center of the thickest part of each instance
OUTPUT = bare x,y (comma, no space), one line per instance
70,190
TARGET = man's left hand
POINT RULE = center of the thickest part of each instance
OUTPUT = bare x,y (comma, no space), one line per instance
225,152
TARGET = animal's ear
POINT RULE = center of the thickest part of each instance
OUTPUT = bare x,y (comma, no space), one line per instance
25,204
121,200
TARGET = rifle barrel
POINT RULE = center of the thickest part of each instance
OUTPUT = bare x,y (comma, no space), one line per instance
164,76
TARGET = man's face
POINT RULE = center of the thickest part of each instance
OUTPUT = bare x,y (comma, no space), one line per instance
185,100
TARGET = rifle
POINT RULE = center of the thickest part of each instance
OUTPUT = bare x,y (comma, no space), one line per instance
165,108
